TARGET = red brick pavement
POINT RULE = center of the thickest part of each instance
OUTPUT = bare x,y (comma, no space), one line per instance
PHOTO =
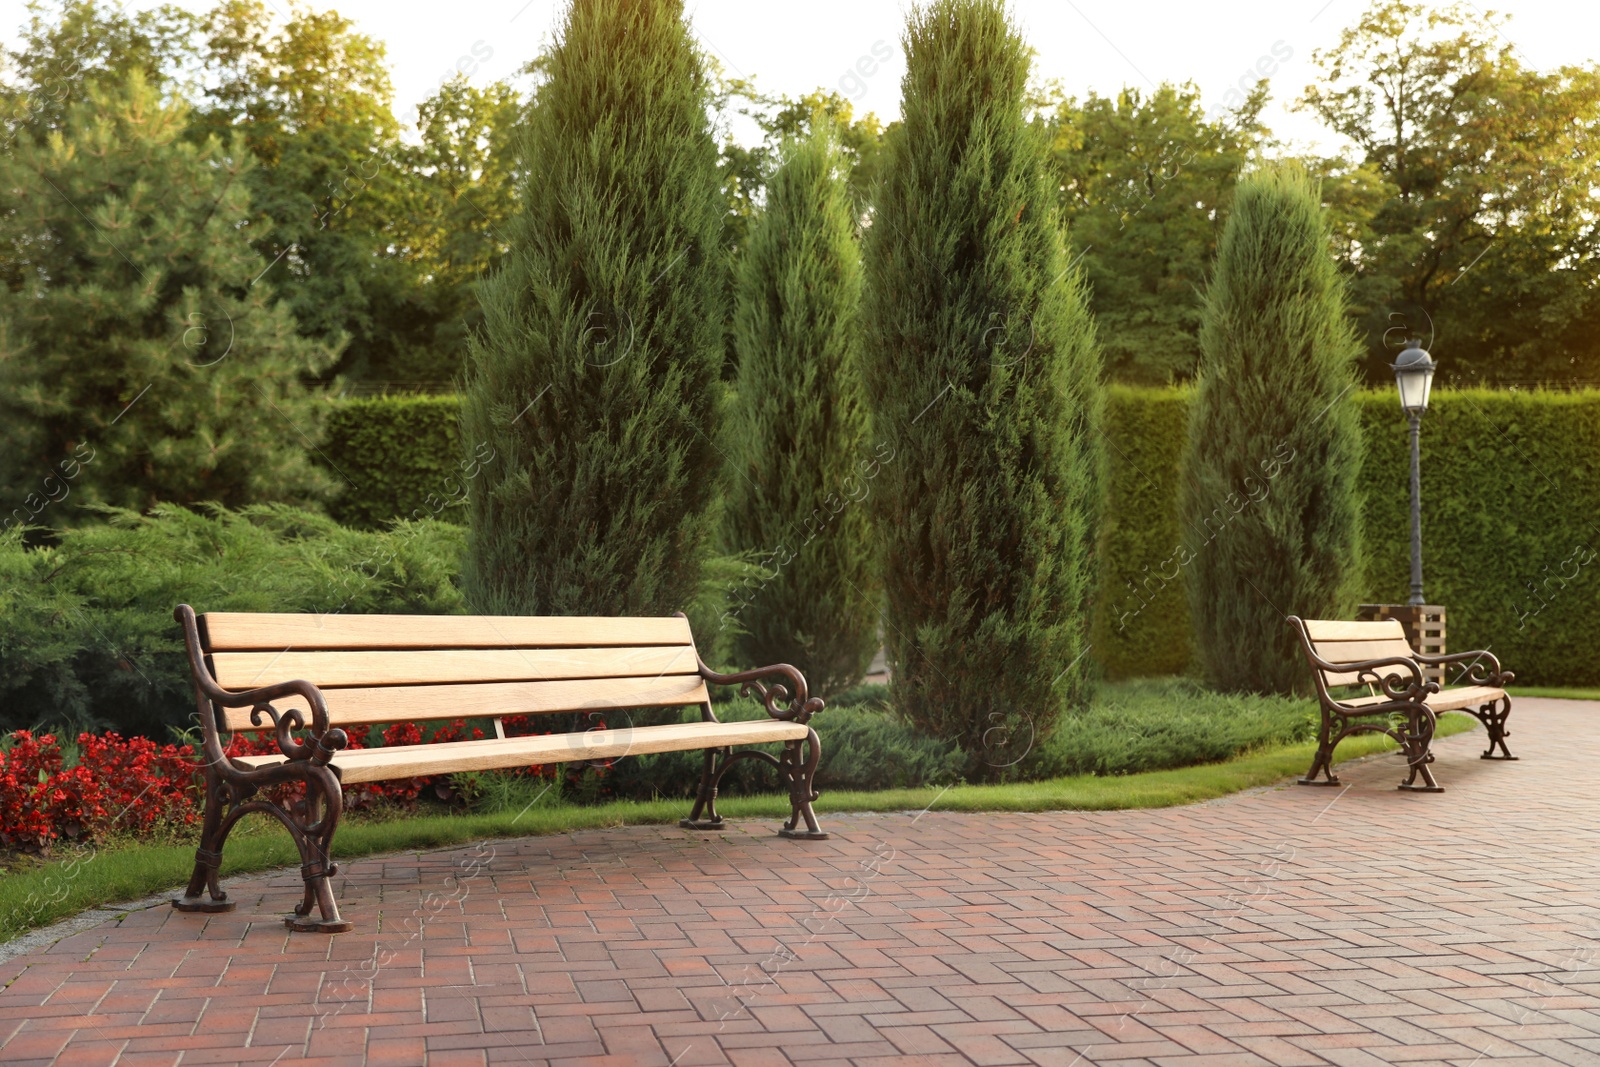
1287,926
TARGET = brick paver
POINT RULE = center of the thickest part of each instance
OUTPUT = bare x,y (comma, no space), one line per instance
1287,926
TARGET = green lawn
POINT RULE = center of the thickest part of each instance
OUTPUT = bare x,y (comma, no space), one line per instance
45,894
1559,692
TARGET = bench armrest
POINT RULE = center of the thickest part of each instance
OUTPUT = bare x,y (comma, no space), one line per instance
325,739
800,707
1395,686
1482,667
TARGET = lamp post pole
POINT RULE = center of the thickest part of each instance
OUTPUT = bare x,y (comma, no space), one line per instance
1416,507
1413,375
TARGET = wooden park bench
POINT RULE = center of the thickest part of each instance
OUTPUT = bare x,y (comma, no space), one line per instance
1376,655
352,670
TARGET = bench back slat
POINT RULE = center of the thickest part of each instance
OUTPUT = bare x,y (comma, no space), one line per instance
396,668
249,670
357,707
1351,642
247,631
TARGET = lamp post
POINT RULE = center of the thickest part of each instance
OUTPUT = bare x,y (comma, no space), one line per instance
1413,374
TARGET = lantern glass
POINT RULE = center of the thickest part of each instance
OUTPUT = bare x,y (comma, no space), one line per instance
1413,374
1416,382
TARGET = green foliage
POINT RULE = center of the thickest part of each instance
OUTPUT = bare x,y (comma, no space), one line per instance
1146,181
1159,723
597,378
84,45
139,359
872,748
1507,498
1510,492
459,197
399,456
1271,503
1485,222
798,440
982,365
311,100
87,637
782,119
1141,619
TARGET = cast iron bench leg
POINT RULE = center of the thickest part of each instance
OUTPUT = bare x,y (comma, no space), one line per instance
1493,715
705,801
799,774
1323,760
1417,745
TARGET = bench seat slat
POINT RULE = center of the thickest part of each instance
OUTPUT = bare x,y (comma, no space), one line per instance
406,703
379,764
1468,696
245,631
249,670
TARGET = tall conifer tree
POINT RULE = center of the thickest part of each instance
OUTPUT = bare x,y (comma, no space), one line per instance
1273,519
596,379
984,373
803,464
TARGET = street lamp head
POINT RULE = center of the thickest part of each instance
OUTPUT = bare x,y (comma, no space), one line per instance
1413,373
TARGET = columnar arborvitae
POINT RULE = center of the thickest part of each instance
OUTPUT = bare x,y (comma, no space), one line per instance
1272,515
595,381
984,375
803,463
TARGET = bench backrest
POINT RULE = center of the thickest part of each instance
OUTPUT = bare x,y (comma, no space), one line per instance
395,668
1351,642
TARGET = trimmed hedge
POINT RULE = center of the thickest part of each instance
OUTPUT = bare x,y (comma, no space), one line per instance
1510,496
396,457
1510,491
1510,502
1141,622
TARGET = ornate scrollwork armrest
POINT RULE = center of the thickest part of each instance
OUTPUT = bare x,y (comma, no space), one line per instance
325,739
800,706
1409,686
1413,689
1482,668
322,743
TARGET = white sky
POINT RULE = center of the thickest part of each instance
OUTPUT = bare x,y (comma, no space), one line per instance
794,47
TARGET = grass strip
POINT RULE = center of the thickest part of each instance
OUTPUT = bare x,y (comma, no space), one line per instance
1554,691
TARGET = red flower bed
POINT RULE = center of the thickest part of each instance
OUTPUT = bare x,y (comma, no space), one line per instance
132,785
129,785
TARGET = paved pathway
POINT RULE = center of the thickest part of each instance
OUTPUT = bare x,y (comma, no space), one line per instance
1286,926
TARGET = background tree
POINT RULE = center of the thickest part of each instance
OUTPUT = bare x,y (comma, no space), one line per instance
459,200
139,358
799,445
66,49
1489,231
982,367
312,101
1145,185
1272,515
596,378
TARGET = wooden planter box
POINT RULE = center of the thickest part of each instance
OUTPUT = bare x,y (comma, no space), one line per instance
1424,626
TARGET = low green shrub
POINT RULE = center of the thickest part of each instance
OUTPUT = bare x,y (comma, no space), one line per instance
87,638
1154,724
